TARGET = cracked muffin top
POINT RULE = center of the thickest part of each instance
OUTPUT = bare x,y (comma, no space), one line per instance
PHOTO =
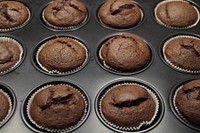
177,13
126,53
183,52
62,54
9,55
187,101
57,107
120,13
65,13
4,106
12,14
128,105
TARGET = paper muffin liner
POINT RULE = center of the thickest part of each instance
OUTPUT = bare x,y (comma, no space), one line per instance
11,40
19,26
56,130
66,27
107,26
67,72
173,27
169,62
144,123
117,71
10,104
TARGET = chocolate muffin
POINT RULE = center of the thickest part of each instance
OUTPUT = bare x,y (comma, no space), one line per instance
65,13
126,53
120,13
61,54
10,55
128,106
4,106
12,14
187,101
177,13
183,53
57,107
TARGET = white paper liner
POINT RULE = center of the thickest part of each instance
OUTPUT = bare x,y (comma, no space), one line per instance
19,26
67,72
11,40
169,62
10,104
130,129
114,70
63,28
176,108
56,130
108,26
173,27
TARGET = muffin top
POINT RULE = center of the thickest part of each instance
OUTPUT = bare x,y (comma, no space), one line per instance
187,101
128,105
62,54
4,106
120,13
9,55
65,13
57,107
177,13
184,53
12,14
126,52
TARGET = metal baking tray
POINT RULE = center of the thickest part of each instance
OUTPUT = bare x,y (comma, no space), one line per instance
92,78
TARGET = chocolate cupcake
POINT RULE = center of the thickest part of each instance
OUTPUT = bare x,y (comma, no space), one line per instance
187,102
10,54
13,15
128,106
125,53
62,55
182,53
177,14
5,105
65,14
56,108
120,13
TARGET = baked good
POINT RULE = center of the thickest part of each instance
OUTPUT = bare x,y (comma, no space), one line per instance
126,53
187,101
57,107
12,14
4,106
128,106
61,54
120,13
65,13
176,13
183,52
10,55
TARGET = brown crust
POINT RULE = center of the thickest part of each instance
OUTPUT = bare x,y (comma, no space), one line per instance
65,13
128,106
9,55
126,52
62,54
4,106
57,107
184,52
12,14
187,101
120,13
177,14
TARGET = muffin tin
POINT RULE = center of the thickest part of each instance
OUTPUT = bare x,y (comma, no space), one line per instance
93,78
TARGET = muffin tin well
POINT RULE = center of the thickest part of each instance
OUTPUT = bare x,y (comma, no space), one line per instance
95,79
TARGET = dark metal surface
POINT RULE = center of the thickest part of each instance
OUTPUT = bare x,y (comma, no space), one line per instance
92,77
